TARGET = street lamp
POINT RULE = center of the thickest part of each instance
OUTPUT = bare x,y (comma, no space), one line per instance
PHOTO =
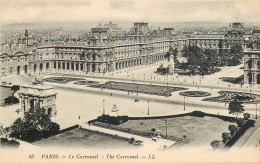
148,112
256,111
184,103
103,107
166,123
137,88
167,79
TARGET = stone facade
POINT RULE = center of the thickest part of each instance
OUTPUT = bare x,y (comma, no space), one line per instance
252,67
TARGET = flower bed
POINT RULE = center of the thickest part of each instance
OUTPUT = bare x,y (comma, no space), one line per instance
194,94
227,96
61,80
140,88
86,82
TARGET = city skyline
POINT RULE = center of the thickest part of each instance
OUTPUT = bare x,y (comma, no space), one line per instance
128,10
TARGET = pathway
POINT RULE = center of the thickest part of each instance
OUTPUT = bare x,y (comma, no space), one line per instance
148,144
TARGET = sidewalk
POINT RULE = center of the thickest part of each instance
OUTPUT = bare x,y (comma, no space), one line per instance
148,144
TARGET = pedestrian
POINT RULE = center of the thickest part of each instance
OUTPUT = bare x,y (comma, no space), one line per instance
111,94
79,117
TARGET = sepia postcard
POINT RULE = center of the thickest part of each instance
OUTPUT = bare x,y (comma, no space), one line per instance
129,81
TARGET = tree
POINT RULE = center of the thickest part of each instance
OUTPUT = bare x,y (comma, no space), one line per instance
246,116
15,88
235,107
215,144
220,45
225,137
35,122
236,55
153,130
240,122
4,131
237,50
233,129
11,100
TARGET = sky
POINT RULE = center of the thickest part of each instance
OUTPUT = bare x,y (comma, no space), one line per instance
33,11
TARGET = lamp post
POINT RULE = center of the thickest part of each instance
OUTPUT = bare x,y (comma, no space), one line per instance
184,103
256,111
167,79
103,107
166,123
137,88
148,112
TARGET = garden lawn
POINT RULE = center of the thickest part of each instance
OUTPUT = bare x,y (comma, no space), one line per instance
199,131
82,138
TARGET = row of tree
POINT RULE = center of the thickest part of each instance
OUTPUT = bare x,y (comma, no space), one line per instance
235,107
207,61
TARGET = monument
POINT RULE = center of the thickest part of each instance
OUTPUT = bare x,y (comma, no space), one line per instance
38,96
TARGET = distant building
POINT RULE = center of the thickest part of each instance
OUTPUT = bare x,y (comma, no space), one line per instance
252,67
14,59
38,96
234,35
108,48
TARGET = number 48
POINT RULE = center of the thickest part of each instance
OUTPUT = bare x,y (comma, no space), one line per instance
31,156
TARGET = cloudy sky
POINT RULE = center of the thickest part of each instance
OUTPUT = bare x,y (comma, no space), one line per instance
30,11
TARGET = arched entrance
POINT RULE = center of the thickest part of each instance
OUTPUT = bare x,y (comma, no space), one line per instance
41,67
249,76
72,66
93,68
250,64
35,67
63,65
258,78
18,70
11,70
47,66
81,67
25,69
